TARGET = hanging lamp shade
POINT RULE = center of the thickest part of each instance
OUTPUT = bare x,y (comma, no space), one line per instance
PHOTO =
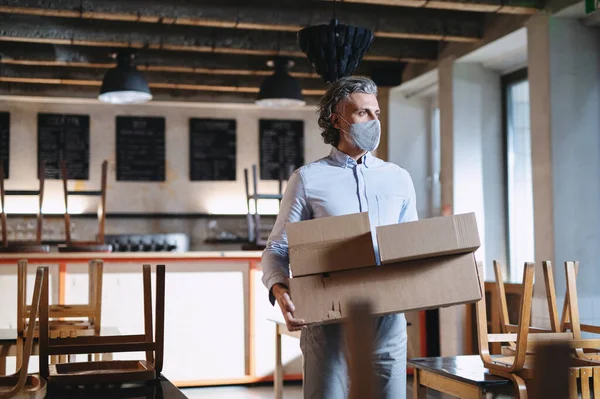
124,84
280,89
335,50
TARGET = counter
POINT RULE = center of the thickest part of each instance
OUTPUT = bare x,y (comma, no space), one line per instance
216,326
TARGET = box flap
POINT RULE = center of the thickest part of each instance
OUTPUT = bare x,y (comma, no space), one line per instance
428,238
328,244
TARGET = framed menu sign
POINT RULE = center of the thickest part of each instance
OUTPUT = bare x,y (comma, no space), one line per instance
280,140
64,137
212,149
5,141
140,148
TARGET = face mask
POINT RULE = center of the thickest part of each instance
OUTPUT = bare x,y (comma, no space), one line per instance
365,135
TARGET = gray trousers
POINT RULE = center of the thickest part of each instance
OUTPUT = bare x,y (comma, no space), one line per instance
325,369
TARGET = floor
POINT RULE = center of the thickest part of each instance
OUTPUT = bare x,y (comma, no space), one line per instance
292,391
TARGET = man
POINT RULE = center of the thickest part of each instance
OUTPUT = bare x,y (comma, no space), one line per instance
349,180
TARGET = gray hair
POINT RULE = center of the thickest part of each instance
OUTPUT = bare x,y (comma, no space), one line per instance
337,93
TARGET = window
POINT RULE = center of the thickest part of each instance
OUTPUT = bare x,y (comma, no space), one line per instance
435,162
519,187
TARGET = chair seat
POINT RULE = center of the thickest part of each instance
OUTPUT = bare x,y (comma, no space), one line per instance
85,248
16,248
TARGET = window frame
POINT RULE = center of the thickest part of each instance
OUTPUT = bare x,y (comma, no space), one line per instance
506,81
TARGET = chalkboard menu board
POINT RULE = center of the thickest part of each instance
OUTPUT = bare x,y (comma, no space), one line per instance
64,137
280,138
5,141
212,149
140,148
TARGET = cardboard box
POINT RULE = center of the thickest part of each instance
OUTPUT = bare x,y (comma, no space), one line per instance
329,244
428,238
395,288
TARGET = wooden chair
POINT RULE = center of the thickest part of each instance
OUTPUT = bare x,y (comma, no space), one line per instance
22,246
97,245
21,385
518,367
107,371
65,320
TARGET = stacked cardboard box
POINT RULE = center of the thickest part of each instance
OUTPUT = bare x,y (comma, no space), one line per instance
424,265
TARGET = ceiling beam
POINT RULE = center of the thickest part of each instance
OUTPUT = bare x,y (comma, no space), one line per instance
25,29
147,60
164,61
261,15
488,6
46,91
162,80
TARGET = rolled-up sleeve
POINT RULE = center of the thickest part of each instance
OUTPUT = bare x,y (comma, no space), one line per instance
275,258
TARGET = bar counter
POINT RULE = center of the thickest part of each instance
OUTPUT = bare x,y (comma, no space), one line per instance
217,328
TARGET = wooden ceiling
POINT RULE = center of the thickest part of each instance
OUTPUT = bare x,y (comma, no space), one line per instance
217,50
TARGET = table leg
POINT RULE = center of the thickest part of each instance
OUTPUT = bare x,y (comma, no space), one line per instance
419,391
278,374
2,365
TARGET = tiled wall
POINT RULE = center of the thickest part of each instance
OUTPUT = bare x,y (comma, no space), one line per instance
198,229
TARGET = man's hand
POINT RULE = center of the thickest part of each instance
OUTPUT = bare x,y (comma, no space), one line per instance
282,295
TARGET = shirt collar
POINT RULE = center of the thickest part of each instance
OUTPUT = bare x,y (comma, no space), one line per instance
344,160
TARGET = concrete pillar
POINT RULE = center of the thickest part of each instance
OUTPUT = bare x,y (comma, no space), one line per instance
564,80
471,174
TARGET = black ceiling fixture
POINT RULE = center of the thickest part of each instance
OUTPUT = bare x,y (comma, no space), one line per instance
280,89
335,50
124,84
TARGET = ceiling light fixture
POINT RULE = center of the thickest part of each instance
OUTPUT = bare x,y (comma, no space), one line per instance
335,50
280,90
124,84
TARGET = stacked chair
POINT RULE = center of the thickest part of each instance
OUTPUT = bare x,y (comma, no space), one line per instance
522,342
58,338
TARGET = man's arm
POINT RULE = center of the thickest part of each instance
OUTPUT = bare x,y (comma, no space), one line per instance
409,212
275,259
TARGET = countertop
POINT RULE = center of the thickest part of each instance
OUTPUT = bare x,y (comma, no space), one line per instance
200,255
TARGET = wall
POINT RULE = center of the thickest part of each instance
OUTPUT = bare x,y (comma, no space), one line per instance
408,139
177,194
568,142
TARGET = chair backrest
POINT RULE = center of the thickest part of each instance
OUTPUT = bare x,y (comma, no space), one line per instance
521,337
41,277
101,206
92,310
151,344
39,193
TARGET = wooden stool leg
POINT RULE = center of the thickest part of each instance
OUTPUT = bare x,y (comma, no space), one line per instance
278,375
419,391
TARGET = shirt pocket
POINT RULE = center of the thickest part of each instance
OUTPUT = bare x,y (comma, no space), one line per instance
389,208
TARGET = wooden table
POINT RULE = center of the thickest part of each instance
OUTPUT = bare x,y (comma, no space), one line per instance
158,389
460,376
280,330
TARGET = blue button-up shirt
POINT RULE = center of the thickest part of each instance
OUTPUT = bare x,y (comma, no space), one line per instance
338,185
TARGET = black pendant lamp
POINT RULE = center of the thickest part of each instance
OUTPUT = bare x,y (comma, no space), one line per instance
335,50
124,84
280,89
